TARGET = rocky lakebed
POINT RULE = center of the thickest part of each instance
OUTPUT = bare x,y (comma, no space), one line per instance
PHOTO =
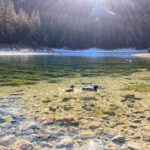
37,114
43,116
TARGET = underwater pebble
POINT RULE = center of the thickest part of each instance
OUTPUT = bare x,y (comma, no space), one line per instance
119,139
146,136
7,140
87,134
94,124
66,142
133,146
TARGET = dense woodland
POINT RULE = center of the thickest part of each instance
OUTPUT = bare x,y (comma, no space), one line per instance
76,24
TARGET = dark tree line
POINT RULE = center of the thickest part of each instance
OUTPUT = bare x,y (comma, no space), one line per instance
18,28
76,24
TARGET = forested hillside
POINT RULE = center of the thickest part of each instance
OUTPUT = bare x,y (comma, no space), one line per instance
76,23
20,27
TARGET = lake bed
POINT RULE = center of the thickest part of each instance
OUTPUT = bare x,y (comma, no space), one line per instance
36,112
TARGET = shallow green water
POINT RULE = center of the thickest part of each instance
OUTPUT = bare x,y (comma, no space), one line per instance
21,107
19,70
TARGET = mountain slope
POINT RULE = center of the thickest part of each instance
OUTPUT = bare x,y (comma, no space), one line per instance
87,23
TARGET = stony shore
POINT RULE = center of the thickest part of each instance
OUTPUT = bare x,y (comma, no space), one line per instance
43,116
25,52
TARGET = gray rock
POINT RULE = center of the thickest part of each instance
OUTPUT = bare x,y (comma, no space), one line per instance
7,140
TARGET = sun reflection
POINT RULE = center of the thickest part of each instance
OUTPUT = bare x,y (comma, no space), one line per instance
95,145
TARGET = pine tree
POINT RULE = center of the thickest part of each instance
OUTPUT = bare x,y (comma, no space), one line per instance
36,26
24,27
10,21
2,8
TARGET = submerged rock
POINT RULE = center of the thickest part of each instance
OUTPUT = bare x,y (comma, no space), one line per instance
27,124
45,134
119,139
22,145
67,107
4,148
72,129
148,118
133,146
134,126
2,120
110,132
50,118
137,121
7,140
88,107
53,108
111,146
94,125
111,113
46,101
128,96
146,136
66,142
69,120
87,134
44,144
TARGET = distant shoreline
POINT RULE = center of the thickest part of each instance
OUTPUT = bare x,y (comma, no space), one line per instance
53,51
25,53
